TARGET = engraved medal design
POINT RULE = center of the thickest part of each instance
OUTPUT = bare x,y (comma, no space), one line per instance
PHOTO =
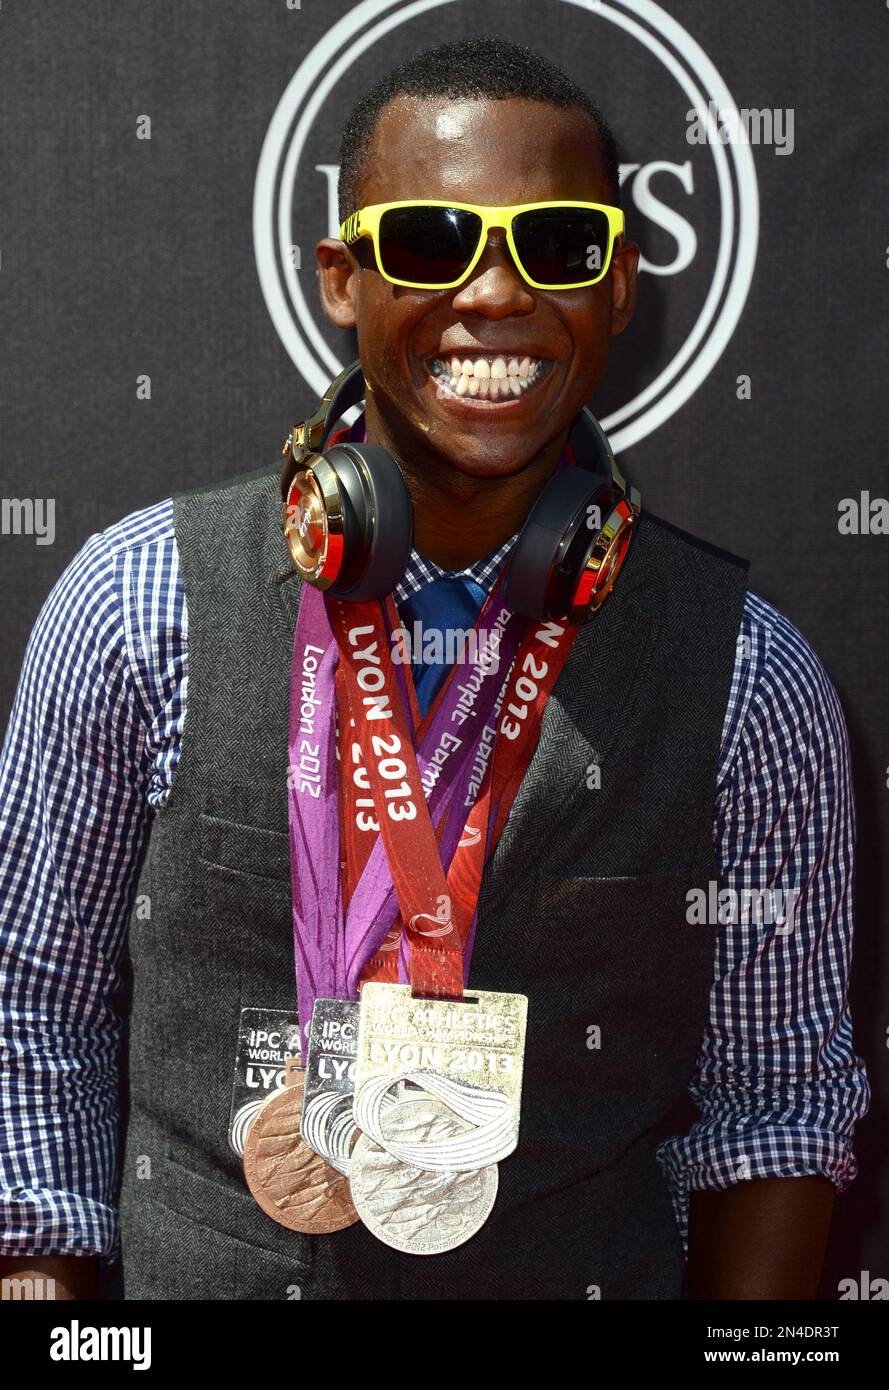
416,1210
292,1184
327,1123
468,1054
266,1037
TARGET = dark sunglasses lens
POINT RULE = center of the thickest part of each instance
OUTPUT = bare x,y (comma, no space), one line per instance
429,246
560,246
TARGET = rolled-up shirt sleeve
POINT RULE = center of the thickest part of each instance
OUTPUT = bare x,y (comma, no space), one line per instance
778,1083
72,817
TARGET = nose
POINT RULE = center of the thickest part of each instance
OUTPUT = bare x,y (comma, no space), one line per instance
495,288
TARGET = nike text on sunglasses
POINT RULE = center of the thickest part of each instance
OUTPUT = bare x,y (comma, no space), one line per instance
435,245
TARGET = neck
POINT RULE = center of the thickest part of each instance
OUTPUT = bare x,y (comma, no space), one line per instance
458,518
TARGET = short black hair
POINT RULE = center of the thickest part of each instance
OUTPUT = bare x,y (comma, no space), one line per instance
483,66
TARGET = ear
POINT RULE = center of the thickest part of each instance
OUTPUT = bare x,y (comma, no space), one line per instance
337,281
624,273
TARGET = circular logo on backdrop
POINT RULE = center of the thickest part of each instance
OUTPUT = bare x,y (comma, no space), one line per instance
691,203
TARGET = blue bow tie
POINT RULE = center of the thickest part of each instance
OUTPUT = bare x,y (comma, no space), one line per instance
443,607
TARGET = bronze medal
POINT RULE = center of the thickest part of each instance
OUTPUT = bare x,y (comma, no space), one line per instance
292,1183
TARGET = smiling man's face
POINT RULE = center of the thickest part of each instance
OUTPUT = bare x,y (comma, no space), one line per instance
507,151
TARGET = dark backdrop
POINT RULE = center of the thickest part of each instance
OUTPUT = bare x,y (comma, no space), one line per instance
747,400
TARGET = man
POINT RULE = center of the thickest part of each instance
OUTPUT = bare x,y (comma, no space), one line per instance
719,751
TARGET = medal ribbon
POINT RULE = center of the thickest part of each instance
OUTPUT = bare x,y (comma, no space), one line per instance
390,766
437,926
468,843
332,945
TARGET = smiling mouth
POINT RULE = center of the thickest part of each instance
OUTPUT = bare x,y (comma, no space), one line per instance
487,378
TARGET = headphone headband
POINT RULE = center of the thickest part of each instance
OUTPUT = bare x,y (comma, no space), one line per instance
311,436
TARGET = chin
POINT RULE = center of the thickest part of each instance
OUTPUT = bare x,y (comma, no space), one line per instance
487,459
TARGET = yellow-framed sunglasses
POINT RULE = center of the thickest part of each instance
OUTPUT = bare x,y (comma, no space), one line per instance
434,244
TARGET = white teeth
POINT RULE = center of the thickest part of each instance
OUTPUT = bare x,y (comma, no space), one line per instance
491,380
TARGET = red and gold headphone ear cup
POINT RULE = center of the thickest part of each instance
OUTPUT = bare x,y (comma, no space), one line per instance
555,543
606,558
378,521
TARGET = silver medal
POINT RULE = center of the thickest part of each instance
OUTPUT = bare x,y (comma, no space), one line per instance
414,1210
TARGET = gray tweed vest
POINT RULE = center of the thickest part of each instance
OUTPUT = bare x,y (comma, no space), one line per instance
583,908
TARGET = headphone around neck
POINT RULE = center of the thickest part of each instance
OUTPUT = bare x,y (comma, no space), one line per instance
349,523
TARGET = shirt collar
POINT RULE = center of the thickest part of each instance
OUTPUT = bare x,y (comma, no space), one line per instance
421,571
